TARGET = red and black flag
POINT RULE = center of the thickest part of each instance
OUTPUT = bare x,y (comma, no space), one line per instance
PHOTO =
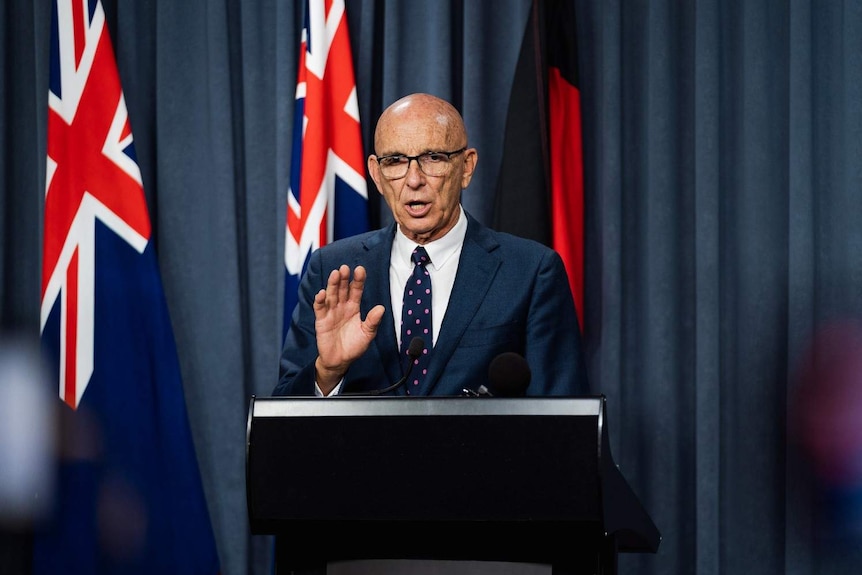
540,191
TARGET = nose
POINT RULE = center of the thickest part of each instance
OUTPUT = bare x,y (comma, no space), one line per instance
415,175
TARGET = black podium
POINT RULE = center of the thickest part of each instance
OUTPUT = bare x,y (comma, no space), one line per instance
495,479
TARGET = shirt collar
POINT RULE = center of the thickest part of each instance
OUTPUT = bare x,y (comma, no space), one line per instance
440,250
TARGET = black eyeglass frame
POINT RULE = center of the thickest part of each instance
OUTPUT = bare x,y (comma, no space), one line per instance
411,158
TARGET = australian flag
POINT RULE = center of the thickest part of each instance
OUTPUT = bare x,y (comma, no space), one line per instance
328,198
129,498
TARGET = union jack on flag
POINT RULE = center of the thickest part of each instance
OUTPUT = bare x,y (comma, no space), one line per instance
328,198
92,175
129,497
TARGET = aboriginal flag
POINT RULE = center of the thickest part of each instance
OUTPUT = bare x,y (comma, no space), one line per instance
540,191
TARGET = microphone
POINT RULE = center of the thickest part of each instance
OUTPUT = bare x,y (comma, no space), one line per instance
508,375
414,350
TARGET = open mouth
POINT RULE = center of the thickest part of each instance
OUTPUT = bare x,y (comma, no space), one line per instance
417,209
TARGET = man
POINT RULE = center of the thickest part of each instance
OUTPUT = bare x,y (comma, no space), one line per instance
489,292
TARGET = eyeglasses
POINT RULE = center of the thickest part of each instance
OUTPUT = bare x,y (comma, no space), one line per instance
396,166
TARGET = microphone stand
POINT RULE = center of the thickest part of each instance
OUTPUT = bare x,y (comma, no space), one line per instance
414,350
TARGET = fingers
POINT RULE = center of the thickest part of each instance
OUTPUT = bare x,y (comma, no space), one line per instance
320,300
358,285
340,289
343,283
335,290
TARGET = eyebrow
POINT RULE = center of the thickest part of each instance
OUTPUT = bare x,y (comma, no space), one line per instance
427,151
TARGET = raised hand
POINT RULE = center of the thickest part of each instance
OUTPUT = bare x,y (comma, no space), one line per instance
342,335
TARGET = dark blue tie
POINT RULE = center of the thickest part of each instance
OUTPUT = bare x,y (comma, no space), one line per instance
416,317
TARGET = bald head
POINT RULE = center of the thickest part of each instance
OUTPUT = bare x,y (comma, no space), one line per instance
435,112
426,138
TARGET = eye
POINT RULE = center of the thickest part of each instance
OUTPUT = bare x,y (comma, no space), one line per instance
434,157
388,161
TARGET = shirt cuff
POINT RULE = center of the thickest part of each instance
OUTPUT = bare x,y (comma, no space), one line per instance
335,390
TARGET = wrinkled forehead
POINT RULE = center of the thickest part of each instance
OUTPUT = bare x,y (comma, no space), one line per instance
412,130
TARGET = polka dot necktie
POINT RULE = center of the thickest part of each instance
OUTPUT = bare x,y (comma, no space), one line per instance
416,317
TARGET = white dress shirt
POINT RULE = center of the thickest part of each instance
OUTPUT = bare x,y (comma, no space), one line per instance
445,253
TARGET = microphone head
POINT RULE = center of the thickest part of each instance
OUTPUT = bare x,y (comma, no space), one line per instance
417,345
509,375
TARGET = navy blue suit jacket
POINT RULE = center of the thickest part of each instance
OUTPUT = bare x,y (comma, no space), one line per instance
510,295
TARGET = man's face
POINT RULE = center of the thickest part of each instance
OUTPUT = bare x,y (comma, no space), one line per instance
426,207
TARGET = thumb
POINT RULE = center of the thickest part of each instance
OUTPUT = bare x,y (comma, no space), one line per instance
373,319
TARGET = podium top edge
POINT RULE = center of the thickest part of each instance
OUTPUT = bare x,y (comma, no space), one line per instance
264,407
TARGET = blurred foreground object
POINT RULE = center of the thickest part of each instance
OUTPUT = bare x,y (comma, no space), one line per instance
27,431
825,422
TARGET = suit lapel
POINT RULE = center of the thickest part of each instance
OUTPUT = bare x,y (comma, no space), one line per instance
476,270
378,250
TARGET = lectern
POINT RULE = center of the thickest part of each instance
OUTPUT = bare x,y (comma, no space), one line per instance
458,478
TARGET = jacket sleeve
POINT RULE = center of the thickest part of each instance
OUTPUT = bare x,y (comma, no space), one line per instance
553,338
296,366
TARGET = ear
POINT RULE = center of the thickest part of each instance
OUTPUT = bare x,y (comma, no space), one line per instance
374,172
471,158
